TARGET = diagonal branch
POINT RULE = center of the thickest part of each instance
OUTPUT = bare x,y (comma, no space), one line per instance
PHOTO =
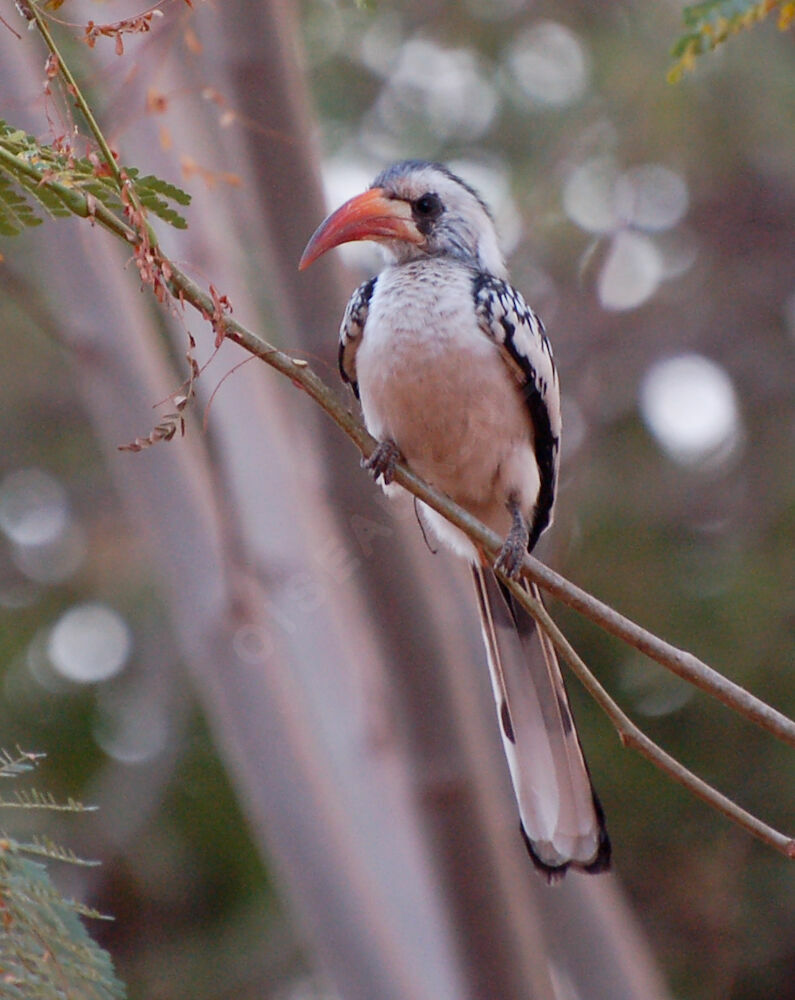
31,13
678,661
631,735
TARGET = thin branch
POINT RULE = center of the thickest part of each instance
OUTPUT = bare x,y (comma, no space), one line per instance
678,661
630,735
29,9
71,86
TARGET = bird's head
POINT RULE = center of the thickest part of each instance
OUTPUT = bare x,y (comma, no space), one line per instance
413,210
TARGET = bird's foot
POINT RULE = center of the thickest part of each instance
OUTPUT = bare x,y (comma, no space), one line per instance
383,460
514,547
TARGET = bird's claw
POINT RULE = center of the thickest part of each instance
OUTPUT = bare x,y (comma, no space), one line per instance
514,548
383,460
510,559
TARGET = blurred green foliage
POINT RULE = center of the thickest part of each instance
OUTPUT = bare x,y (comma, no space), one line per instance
710,24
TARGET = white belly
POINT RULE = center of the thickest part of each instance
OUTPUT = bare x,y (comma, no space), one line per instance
431,381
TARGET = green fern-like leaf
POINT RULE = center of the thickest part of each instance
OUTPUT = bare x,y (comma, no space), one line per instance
39,171
692,42
154,193
45,951
12,765
100,187
162,209
45,848
16,215
171,191
32,798
48,199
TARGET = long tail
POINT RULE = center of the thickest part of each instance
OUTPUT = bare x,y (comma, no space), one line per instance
561,818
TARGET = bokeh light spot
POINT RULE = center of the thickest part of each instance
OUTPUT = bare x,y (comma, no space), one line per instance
33,507
653,690
588,195
651,197
549,65
89,643
631,272
130,729
689,405
446,86
54,561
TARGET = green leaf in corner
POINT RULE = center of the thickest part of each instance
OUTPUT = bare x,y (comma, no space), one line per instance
46,953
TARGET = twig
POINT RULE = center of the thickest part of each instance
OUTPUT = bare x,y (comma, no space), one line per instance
678,661
31,11
137,214
630,735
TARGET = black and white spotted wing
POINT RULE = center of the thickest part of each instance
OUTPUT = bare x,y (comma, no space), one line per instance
504,316
351,331
562,820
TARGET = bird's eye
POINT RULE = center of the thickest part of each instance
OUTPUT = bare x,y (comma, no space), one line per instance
428,206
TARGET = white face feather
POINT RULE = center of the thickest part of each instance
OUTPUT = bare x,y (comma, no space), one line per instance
464,228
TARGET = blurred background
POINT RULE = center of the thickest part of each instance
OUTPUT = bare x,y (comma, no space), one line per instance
650,225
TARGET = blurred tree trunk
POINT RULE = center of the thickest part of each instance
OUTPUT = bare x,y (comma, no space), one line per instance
349,701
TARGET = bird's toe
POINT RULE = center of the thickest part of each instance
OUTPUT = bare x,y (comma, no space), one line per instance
383,460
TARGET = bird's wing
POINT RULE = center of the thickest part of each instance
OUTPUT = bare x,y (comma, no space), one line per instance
562,820
504,316
351,331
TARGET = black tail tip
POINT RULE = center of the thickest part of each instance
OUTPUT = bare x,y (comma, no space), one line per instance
554,873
